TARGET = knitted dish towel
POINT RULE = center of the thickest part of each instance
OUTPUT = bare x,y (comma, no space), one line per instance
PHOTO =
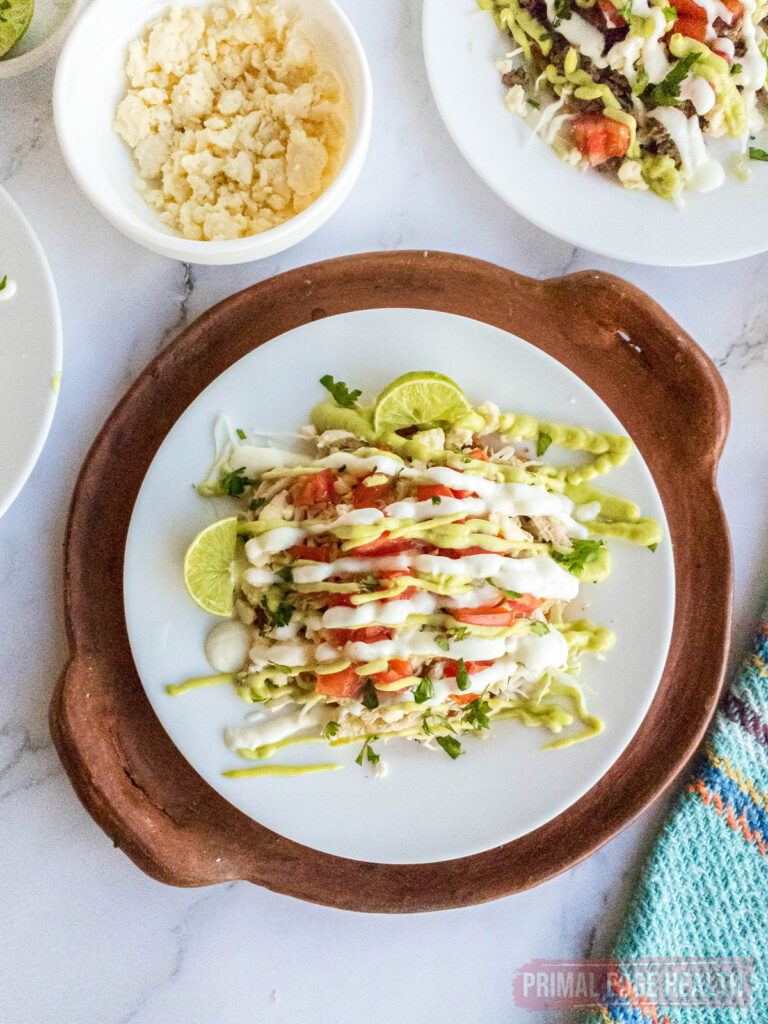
704,892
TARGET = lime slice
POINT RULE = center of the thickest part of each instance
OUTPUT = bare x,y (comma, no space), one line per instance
15,16
209,567
421,398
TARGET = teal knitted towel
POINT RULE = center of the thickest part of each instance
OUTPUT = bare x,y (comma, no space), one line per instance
704,892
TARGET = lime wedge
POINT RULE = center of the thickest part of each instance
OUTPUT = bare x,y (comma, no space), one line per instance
15,16
209,567
421,398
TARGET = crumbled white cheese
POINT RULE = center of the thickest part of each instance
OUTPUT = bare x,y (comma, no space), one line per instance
515,100
631,176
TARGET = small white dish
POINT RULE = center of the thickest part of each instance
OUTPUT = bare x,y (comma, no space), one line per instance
30,350
90,82
50,26
427,808
583,208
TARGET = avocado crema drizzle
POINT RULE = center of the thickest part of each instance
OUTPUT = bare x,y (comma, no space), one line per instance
558,699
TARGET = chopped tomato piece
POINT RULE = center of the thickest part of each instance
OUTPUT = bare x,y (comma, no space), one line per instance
599,137
689,9
478,453
393,574
340,600
460,552
377,496
693,28
727,57
363,635
463,698
384,546
502,614
399,668
308,551
450,667
426,491
610,15
736,7
346,683
315,488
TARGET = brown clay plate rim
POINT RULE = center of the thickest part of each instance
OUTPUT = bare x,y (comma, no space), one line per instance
622,344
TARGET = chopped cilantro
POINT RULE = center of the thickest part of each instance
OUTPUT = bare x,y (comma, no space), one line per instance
424,691
370,585
285,574
440,723
257,503
457,633
340,391
279,668
234,483
4,282
736,69
563,11
511,595
667,92
367,752
533,103
281,616
652,547
584,552
370,697
436,500
757,154
543,442
330,730
240,433
462,676
442,642
539,628
450,745
476,713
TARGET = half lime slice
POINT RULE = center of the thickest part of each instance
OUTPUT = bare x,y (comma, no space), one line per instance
15,16
421,398
209,567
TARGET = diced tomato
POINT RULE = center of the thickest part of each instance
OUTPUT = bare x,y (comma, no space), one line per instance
399,668
393,574
689,9
339,600
315,488
727,57
478,453
599,137
611,16
736,7
308,551
377,496
426,491
502,614
463,698
384,546
346,683
460,552
693,28
450,667
363,635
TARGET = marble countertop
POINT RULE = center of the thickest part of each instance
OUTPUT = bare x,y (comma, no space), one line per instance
87,936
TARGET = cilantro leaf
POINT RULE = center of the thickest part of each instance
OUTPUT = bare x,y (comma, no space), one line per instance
462,676
370,697
450,745
436,500
367,752
234,483
424,691
285,574
543,441
539,628
476,713
736,69
757,154
511,595
533,103
667,92
340,391
563,11
442,642
257,503
584,552
281,616
330,730
652,547
4,282
240,433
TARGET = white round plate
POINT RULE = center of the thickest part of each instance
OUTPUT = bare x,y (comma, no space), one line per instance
583,208
427,808
30,351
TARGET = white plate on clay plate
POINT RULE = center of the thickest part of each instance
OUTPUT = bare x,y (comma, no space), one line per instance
427,807
30,350
585,209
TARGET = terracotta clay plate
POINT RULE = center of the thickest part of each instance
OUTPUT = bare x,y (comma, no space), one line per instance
123,765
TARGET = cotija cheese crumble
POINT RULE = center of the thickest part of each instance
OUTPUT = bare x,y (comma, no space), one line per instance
233,122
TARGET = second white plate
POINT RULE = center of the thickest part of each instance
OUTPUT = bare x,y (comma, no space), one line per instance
427,808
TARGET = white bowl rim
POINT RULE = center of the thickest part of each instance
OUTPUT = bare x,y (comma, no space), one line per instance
185,248
10,67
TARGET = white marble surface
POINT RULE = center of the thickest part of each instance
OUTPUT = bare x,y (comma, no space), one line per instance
87,937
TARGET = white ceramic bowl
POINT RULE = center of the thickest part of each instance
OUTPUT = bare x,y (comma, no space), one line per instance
45,36
90,82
